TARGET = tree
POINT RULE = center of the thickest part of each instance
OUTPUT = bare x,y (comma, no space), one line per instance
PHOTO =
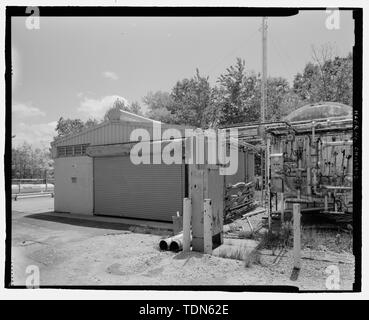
30,163
327,78
307,85
135,108
322,61
231,88
68,126
214,110
160,114
123,104
158,104
237,97
277,89
157,100
290,102
91,122
185,104
190,98
251,96
343,79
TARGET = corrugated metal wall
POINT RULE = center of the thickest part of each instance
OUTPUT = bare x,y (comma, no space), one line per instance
137,191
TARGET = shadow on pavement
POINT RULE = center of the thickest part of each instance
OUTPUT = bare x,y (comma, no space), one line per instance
79,222
187,255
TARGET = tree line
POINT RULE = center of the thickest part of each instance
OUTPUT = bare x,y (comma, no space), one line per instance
236,95
235,98
31,163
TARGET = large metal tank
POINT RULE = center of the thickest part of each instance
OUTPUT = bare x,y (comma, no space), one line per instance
320,110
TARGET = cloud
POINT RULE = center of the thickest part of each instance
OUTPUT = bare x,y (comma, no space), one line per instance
96,108
23,111
110,75
38,135
16,67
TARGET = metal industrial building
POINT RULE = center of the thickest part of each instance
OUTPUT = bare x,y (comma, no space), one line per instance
94,173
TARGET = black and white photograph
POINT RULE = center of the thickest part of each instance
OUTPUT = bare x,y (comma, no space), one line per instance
183,148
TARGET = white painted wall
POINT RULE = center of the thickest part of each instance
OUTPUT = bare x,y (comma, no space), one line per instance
74,197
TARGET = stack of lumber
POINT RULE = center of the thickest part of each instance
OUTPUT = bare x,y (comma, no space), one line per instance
239,198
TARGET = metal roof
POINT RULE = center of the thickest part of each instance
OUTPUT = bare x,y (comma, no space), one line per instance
110,132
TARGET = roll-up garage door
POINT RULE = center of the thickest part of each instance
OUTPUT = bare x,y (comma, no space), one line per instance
123,189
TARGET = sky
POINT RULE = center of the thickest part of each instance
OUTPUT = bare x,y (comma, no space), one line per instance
75,67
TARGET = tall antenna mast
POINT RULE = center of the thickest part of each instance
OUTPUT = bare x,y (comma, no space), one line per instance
264,161
264,69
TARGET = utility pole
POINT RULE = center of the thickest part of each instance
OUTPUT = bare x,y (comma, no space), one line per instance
264,28
264,161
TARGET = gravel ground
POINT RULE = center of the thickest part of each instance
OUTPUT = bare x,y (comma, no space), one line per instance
69,254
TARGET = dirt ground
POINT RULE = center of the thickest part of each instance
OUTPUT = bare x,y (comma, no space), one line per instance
71,252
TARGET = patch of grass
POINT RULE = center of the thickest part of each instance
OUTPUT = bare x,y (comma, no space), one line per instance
326,239
272,240
276,239
239,253
252,257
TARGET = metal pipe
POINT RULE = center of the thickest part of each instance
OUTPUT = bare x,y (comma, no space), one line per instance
255,125
336,143
282,206
308,166
262,173
164,244
176,245
267,168
299,174
296,236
